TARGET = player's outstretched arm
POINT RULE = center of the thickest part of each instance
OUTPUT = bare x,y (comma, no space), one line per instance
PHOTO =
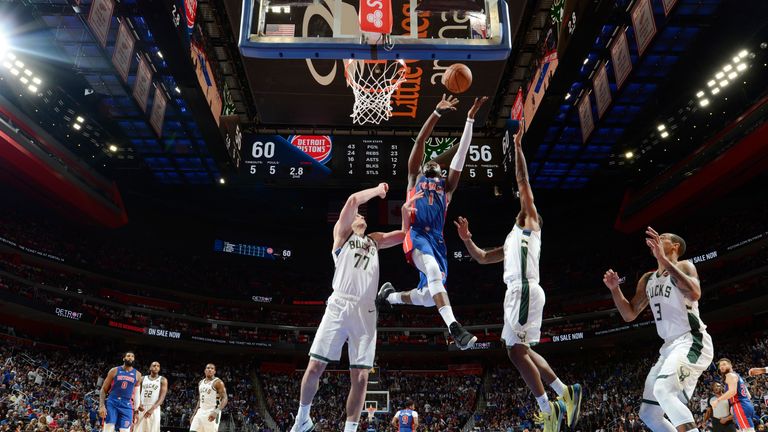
758,371
487,256
222,393
457,163
343,228
523,184
394,238
629,310
103,392
683,273
417,152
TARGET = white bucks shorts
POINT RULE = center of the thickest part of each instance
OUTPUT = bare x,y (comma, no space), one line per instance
686,358
148,424
523,310
200,422
346,320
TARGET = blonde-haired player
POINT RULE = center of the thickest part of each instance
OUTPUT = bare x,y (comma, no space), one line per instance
153,390
350,315
213,399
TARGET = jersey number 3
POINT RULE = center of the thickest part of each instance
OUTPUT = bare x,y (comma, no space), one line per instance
657,312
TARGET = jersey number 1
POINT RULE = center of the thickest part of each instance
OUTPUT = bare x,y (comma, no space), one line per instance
359,258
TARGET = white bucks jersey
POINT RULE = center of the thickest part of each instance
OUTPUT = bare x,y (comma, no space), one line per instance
208,394
357,268
522,250
150,390
674,314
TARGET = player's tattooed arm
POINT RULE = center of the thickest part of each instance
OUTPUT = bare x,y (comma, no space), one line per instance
222,392
628,309
482,256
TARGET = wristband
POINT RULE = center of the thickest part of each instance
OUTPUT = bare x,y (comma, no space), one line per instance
470,120
437,113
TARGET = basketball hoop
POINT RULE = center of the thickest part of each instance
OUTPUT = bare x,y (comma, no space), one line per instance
371,410
373,82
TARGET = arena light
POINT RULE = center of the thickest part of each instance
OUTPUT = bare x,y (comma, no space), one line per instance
661,127
723,83
77,126
741,67
177,90
664,134
716,90
112,148
14,71
19,64
7,64
32,88
736,59
700,93
727,68
159,54
24,80
37,80
567,96
743,53
629,155
719,75
80,119
704,102
711,83
222,180
4,46
732,75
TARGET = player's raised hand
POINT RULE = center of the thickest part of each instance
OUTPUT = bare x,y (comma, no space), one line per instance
462,227
654,243
611,279
383,189
408,205
476,106
447,104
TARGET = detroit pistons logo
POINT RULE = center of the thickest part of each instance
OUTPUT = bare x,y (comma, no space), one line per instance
317,146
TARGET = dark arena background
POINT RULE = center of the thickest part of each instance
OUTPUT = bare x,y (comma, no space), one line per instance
171,173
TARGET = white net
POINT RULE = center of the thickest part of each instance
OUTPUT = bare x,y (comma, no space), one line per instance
373,82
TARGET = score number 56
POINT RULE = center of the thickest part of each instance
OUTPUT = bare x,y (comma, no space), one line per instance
479,153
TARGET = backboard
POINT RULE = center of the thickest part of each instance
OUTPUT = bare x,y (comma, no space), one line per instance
330,29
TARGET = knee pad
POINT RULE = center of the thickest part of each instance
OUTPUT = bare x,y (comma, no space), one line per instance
421,297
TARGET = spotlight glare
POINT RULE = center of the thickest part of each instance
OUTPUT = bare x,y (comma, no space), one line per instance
7,65
18,63
80,119
700,93
629,155
711,83
160,54
732,75
112,148
222,181
736,59
664,134
37,80
178,90
741,67
719,75
567,96
27,72
716,90
11,56
704,102
24,80
586,60
727,68
723,83
661,127
76,126
14,71
743,53
32,88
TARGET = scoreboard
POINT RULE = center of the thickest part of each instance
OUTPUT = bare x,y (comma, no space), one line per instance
324,159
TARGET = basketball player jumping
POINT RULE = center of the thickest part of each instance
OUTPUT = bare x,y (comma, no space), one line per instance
673,292
213,399
121,385
153,390
737,393
524,302
350,314
424,245
406,419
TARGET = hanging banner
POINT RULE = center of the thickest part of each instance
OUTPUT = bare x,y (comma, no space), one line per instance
157,117
99,19
643,24
668,5
143,83
622,62
517,107
602,90
585,117
123,55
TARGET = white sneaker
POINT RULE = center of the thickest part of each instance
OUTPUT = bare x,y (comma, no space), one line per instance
307,426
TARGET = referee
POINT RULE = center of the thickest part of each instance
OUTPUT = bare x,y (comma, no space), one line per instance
722,419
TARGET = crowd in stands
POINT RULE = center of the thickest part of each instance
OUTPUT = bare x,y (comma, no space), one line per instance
47,388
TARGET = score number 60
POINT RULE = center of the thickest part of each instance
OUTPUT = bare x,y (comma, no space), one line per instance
264,150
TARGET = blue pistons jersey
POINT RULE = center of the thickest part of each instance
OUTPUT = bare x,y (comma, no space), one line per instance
741,405
431,209
119,403
405,420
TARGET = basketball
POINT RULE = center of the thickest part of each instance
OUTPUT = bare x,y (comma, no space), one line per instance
457,78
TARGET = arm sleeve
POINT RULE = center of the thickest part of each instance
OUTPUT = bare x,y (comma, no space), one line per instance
457,163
